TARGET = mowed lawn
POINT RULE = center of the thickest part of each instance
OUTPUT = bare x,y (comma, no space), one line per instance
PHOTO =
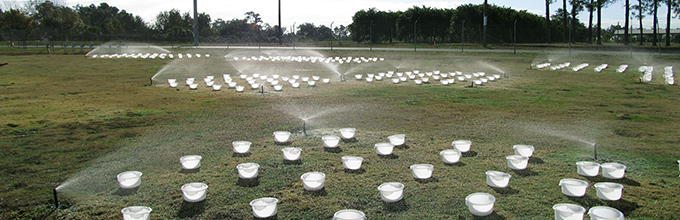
74,122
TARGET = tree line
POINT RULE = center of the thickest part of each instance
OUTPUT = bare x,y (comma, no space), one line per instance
40,19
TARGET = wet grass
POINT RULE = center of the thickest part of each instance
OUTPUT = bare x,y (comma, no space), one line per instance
78,122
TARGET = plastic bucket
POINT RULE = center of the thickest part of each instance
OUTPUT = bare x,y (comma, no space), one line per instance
347,133
609,191
497,179
136,213
281,136
264,207
397,139
462,145
517,162
384,148
587,168
349,214
352,162
391,191
190,161
573,187
613,170
566,211
422,171
129,179
480,204
330,141
313,181
524,150
605,213
241,147
194,192
247,170
450,156
291,153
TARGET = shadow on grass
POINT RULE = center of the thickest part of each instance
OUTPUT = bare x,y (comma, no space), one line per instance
248,182
428,180
332,150
505,191
399,206
624,181
292,162
526,172
391,156
190,170
492,216
469,154
536,160
126,192
287,143
191,209
623,205
240,155
402,147
351,140
358,171
459,164
274,217
321,192
585,201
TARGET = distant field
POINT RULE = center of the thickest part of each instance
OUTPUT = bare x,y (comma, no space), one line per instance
74,122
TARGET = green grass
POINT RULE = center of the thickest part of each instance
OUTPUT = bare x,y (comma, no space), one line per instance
66,119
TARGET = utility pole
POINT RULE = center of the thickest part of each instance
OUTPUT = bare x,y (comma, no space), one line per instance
370,34
415,25
332,35
486,5
195,23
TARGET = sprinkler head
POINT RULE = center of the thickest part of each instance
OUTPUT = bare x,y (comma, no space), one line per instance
56,200
304,127
595,151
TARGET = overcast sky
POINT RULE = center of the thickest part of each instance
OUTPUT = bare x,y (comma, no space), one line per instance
323,12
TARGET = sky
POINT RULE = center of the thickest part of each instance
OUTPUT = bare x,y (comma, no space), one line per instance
340,12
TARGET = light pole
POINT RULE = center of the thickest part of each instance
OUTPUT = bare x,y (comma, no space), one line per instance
515,51
485,20
462,38
294,35
415,25
332,35
370,34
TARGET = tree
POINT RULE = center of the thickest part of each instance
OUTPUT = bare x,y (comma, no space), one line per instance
654,8
547,16
576,7
61,19
19,21
626,26
564,20
641,9
591,6
671,5
174,25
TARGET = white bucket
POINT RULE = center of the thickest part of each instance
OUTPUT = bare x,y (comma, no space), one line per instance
450,156
524,150
281,136
241,147
425,80
613,170
391,191
296,85
239,88
349,214
217,87
316,78
480,204
291,153
129,179
278,87
352,162
311,83
605,213
173,84
347,133
462,145
210,83
330,141
264,207
565,211
384,148
256,75
422,171
172,80
247,170
284,78
497,179
305,79
326,80
573,187
517,162
609,191
397,139
194,192
136,213
296,77
358,76
232,84
190,161
395,80
193,86
313,181
587,168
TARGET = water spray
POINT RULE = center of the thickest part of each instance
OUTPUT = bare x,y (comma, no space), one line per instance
56,200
